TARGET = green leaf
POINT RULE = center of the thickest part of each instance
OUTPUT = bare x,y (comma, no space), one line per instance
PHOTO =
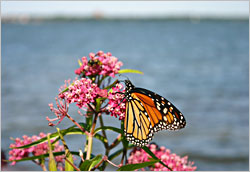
108,128
87,165
130,71
79,62
146,149
52,161
68,166
101,138
44,139
66,89
68,155
69,131
132,167
42,156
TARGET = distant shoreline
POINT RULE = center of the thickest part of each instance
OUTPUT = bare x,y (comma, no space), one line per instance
26,19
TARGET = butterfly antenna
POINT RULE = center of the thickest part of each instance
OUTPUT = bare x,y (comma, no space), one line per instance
121,75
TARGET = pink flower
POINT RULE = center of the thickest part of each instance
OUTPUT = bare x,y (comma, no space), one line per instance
115,106
99,64
103,93
16,154
174,161
60,111
83,92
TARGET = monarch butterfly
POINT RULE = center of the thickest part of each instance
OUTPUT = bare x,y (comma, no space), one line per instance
147,113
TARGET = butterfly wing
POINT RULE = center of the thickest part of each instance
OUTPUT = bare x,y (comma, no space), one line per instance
137,125
162,113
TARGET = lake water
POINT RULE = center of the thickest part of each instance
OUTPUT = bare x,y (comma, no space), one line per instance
201,67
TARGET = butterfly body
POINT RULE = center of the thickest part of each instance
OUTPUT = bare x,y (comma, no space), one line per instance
147,113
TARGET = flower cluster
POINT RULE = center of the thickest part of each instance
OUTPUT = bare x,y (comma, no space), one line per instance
82,92
173,161
99,64
115,106
16,154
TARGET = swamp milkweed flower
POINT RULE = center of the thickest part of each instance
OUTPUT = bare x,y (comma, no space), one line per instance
99,64
115,106
42,148
82,92
174,161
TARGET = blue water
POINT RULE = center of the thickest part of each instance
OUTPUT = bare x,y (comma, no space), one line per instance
201,67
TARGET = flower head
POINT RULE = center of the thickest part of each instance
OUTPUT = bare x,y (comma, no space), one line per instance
82,92
16,154
42,148
174,161
99,64
116,104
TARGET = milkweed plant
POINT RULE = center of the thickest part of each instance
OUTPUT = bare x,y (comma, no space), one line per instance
93,91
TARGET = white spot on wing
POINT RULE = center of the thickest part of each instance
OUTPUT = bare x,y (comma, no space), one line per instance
165,110
158,107
165,118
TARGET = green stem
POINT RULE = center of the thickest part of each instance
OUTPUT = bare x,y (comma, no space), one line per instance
78,125
125,145
90,138
89,121
105,144
103,132
89,148
116,142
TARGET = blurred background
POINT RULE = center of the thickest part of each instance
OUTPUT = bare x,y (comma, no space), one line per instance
193,53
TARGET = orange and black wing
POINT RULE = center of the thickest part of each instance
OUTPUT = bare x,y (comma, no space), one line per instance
147,113
137,124
162,113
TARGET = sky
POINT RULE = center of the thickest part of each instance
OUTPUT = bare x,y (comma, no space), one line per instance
126,8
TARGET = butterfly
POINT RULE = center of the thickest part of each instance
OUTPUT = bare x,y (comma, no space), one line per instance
147,113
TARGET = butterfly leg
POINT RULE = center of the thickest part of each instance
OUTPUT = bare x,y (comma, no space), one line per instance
123,97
